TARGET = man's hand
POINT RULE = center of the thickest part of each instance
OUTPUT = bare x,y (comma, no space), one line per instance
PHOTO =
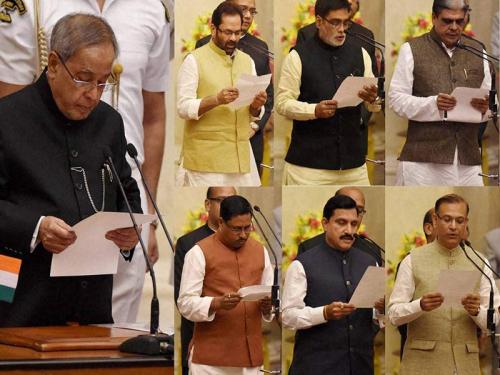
325,109
265,306
481,105
337,310
446,102
258,101
368,94
153,253
124,238
226,302
431,301
227,95
471,303
380,305
55,234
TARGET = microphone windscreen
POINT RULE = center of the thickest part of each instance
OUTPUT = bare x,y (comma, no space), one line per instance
131,150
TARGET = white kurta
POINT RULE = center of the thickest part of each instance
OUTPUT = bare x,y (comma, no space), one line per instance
196,308
188,105
143,37
424,109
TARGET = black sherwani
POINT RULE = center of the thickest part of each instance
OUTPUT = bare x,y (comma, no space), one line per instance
183,245
39,147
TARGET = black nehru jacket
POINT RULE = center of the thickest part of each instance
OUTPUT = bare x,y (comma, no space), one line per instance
182,246
39,148
338,142
359,243
255,47
343,346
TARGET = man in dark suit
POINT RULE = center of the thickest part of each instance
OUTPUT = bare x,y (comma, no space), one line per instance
259,52
215,196
56,136
359,242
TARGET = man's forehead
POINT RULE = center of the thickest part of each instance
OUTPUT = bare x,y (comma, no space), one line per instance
453,208
337,14
231,20
238,219
452,14
345,213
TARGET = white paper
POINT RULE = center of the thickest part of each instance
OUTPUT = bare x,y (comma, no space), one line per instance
255,292
455,285
370,288
463,111
248,86
92,253
347,93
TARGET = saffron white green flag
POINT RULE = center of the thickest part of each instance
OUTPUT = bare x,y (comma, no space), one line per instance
9,274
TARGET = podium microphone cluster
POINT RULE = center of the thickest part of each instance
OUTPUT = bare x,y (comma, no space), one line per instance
155,342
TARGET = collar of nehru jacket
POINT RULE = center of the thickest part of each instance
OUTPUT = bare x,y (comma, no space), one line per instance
221,52
435,37
445,251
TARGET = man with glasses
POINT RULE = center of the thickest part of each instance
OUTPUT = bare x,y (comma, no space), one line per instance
429,68
259,52
227,333
141,68
216,148
215,195
441,340
328,146
333,337
359,242
56,136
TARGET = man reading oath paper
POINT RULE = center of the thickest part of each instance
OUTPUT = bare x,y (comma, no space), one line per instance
56,136
332,336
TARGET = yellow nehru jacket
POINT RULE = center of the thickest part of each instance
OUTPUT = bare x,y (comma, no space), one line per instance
218,141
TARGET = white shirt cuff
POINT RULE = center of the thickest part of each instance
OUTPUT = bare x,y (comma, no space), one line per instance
317,316
34,242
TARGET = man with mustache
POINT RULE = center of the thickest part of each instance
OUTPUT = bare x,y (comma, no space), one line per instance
332,336
256,48
429,68
216,149
440,340
328,145
227,335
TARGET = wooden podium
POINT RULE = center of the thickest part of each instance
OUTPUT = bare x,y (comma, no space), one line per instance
74,350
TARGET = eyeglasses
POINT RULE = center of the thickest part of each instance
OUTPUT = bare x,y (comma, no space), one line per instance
217,199
448,220
336,23
230,33
246,229
252,11
448,22
361,210
86,85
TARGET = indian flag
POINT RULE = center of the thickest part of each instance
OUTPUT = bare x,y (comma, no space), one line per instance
9,274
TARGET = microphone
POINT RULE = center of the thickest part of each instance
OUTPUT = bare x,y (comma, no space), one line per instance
155,342
132,152
379,46
491,310
469,245
262,51
368,239
492,104
275,290
257,208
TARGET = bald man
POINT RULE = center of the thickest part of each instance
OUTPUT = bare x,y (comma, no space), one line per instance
360,243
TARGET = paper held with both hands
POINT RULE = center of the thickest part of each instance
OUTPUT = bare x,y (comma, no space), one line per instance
254,292
455,285
248,86
463,110
370,288
347,93
92,253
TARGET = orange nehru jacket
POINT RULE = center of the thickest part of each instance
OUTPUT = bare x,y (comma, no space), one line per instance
234,337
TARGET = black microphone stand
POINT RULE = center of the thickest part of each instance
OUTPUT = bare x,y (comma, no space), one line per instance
490,321
381,77
155,342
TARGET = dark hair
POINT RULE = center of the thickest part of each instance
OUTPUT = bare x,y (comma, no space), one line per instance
338,202
439,5
225,8
209,192
427,217
450,198
234,205
323,7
